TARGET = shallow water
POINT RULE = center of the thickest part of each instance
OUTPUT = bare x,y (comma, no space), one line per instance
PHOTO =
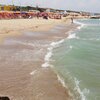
77,60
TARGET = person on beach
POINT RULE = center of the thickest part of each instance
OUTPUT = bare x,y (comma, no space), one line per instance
71,20
38,15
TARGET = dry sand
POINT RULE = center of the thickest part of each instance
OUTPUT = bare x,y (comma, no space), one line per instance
21,57
17,26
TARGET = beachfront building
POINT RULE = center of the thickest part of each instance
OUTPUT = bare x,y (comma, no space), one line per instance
85,13
1,7
76,14
7,8
35,11
50,10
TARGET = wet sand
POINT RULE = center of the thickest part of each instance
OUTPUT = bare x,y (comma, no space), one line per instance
21,74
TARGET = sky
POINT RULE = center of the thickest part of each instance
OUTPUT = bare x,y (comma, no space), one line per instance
77,5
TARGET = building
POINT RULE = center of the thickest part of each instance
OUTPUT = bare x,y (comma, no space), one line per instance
50,10
1,7
7,8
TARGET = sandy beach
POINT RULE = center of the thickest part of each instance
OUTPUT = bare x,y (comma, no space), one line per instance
23,47
17,26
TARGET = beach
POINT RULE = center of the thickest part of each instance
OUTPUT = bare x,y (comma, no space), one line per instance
14,27
24,45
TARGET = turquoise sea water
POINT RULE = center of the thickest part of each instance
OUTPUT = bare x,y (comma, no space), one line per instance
77,60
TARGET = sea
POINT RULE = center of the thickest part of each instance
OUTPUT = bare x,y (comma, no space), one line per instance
76,60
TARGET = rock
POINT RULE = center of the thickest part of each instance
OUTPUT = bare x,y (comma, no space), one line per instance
4,98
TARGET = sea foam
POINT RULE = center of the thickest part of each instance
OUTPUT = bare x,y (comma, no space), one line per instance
72,36
32,73
81,24
77,88
50,53
61,80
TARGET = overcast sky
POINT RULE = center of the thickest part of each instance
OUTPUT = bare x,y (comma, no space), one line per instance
78,5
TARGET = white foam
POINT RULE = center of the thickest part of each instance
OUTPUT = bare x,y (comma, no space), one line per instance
32,73
61,80
72,36
50,53
79,27
47,57
46,64
77,88
81,24
54,44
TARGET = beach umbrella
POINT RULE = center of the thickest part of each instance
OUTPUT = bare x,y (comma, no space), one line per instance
23,12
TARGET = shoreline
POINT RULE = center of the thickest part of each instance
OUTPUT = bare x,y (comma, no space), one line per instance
44,78
48,66
49,55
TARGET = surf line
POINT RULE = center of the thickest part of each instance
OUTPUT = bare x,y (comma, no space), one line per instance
47,64
48,56
50,53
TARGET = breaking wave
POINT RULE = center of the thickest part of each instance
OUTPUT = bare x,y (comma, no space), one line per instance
50,53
